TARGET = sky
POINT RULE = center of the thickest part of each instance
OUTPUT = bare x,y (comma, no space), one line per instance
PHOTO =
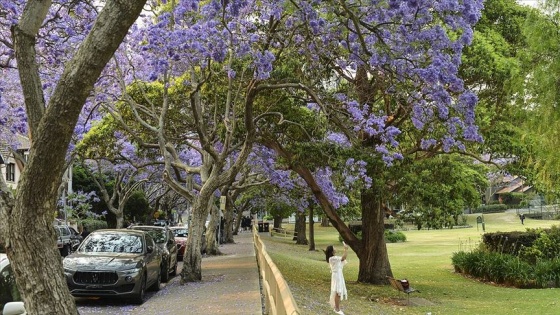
529,2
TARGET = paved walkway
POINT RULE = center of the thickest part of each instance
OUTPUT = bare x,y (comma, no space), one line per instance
230,285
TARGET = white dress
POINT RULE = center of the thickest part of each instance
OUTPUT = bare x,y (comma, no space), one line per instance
338,286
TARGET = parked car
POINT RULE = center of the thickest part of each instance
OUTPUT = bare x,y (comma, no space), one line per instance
68,239
14,308
8,290
114,263
181,234
164,239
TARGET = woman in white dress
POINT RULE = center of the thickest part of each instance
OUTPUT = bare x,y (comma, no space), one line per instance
338,286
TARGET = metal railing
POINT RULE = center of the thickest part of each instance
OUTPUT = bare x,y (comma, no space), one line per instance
278,297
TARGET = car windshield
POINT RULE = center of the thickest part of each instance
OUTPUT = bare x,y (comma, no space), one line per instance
157,234
181,232
112,243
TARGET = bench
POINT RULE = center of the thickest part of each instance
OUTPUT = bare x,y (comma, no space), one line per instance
398,285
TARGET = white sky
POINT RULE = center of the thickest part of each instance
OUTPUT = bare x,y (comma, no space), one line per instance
533,3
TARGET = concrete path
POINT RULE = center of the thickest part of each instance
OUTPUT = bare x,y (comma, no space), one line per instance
230,285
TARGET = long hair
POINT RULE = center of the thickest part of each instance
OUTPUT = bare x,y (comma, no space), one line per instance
329,252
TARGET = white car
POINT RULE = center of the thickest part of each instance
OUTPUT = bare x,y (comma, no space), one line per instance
14,308
9,294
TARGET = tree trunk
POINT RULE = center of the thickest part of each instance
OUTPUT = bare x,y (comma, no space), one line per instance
311,229
29,237
324,221
228,224
301,238
120,220
374,259
192,259
238,219
277,222
212,231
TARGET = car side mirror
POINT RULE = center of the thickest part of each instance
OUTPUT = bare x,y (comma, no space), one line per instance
14,308
150,249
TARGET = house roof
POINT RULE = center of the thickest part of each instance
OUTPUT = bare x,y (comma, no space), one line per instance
514,186
22,142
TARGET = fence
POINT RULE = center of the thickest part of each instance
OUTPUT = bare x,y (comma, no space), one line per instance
277,294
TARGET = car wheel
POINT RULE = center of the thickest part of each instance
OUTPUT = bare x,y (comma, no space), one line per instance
139,297
157,285
165,271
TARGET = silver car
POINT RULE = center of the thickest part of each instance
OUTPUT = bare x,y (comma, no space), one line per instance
164,239
114,263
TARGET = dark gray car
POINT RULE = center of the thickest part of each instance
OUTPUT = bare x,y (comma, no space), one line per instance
114,263
165,240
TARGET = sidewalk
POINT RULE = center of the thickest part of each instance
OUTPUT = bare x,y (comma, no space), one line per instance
230,285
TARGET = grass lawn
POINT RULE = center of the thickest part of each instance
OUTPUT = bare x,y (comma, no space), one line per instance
425,260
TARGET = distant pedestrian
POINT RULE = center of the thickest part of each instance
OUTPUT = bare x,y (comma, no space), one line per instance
338,286
522,218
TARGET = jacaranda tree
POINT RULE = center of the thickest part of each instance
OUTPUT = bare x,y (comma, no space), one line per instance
59,50
382,74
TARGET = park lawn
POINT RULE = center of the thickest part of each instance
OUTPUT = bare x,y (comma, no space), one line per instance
425,260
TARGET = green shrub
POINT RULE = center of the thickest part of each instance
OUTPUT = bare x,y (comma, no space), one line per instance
394,236
547,273
459,261
390,236
496,267
93,224
491,208
517,272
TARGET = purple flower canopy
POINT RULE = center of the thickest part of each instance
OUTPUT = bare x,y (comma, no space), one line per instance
412,48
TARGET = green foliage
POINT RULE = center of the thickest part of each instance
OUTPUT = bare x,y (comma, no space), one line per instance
93,224
540,94
498,268
546,246
394,236
547,273
137,207
459,182
536,264
491,208
390,236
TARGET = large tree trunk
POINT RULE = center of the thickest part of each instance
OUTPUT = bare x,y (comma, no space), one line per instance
277,222
238,219
228,225
212,232
374,259
29,237
301,238
192,259
311,228
120,220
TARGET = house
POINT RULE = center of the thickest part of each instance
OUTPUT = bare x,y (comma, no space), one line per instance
11,167
503,189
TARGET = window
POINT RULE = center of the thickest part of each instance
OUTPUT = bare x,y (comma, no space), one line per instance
10,172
